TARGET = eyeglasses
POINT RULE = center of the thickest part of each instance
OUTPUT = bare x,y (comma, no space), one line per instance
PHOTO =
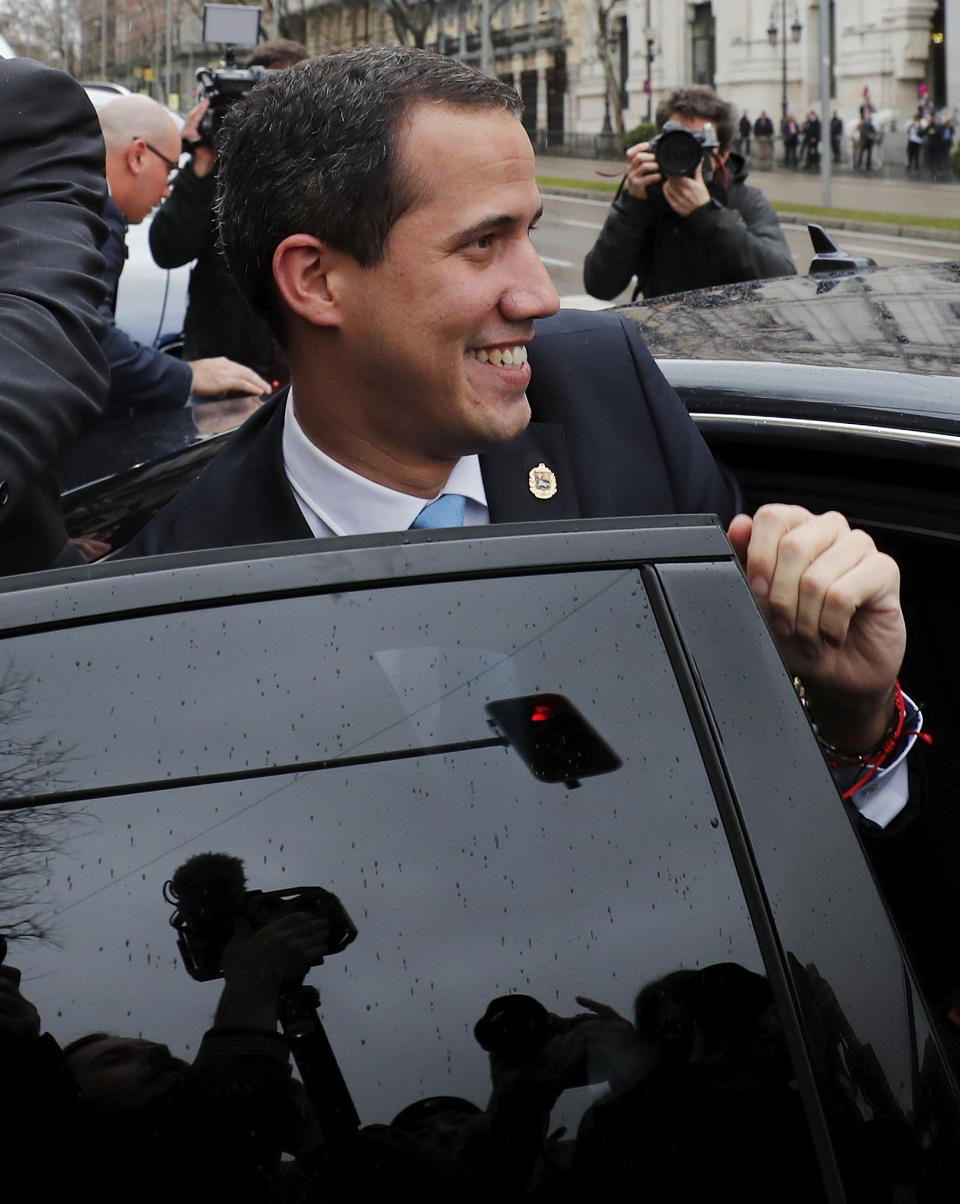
171,163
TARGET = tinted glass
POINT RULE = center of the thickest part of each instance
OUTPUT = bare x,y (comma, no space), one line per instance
882,1071
466,876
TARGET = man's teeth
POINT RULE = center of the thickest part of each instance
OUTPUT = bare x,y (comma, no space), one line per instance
509,357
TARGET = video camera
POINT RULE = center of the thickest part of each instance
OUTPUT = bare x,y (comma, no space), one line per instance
222,87
679,150
209,894
232,25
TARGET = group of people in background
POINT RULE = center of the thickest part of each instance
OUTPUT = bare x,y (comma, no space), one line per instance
930,139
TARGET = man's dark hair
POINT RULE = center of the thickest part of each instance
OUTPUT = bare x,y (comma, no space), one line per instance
701,102
281,52
313,150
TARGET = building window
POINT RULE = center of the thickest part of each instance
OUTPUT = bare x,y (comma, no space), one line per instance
703,45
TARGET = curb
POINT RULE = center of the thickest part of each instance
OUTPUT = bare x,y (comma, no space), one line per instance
930,233
845,223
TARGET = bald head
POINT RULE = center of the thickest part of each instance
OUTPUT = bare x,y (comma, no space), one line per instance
130,116
143,146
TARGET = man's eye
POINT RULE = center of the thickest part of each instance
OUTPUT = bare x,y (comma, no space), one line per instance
483,243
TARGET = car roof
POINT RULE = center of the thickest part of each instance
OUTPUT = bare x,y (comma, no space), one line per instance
100,93
899,319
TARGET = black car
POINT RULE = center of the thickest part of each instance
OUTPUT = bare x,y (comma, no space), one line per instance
562,768
615,929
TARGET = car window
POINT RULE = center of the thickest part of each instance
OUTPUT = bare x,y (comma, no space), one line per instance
343,739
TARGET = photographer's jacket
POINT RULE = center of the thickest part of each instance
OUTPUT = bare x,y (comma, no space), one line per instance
736,236
219,320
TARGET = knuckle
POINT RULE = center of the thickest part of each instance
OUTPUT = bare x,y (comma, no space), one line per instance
838,598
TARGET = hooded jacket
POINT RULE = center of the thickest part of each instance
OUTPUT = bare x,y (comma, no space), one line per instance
735,236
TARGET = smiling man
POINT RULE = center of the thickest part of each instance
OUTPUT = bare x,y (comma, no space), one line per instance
377,205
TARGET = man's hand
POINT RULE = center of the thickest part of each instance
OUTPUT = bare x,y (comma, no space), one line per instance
256,964
833,603
204,157
19,1019
91,549
685,193
642,170
214,377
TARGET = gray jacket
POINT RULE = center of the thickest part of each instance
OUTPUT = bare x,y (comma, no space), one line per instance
735,236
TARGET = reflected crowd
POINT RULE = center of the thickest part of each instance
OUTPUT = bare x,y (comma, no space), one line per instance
697,1096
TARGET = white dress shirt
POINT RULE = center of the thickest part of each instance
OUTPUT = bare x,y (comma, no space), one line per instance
337,501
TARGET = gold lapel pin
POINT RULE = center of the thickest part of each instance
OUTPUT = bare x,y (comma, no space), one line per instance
542,482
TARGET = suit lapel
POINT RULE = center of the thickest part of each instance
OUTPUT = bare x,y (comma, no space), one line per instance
542,449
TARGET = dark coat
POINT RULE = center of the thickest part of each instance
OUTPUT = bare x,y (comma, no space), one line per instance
219,318
604,419
735,236
53,377
141,378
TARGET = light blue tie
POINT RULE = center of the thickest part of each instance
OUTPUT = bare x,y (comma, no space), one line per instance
446,511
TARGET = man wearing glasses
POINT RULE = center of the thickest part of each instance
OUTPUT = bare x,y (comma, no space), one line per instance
143,147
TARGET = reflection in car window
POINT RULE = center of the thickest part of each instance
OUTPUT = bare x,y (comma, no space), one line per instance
640,1047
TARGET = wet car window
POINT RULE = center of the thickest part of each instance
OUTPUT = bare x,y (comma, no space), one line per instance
343,740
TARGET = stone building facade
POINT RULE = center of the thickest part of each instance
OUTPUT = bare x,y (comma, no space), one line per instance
748,49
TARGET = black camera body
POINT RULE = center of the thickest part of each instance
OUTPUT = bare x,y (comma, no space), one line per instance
679,150
222,87
514,1028
205,920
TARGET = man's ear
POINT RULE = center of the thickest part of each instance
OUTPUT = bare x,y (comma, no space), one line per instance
303,267
134,154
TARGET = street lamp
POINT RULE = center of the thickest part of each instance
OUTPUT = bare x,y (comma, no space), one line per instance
772,33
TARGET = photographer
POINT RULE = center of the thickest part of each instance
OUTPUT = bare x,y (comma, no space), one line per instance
687,231
219,320
155,1124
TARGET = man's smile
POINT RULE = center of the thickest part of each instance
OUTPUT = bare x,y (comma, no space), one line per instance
508,357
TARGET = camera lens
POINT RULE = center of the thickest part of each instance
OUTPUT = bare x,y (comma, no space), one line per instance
678,153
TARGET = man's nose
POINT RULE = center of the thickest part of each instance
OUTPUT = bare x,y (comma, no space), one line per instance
532,293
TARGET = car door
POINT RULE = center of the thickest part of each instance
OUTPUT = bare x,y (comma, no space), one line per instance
562,763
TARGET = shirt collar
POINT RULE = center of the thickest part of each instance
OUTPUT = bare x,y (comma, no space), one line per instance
352,504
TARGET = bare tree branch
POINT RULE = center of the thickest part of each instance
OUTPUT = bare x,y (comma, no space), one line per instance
29,836
605,44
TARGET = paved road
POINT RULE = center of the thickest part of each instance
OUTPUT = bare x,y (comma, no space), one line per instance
850,191
570,225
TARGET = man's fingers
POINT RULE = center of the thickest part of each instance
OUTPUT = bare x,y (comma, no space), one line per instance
739,535
848,575
770,525
191,125
800,544
221,375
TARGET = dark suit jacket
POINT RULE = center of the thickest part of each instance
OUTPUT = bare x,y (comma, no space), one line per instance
53,377
605,421
140,377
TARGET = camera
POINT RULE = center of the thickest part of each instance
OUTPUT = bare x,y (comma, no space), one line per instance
222,87
514,1028
232,25
680,150
209,896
